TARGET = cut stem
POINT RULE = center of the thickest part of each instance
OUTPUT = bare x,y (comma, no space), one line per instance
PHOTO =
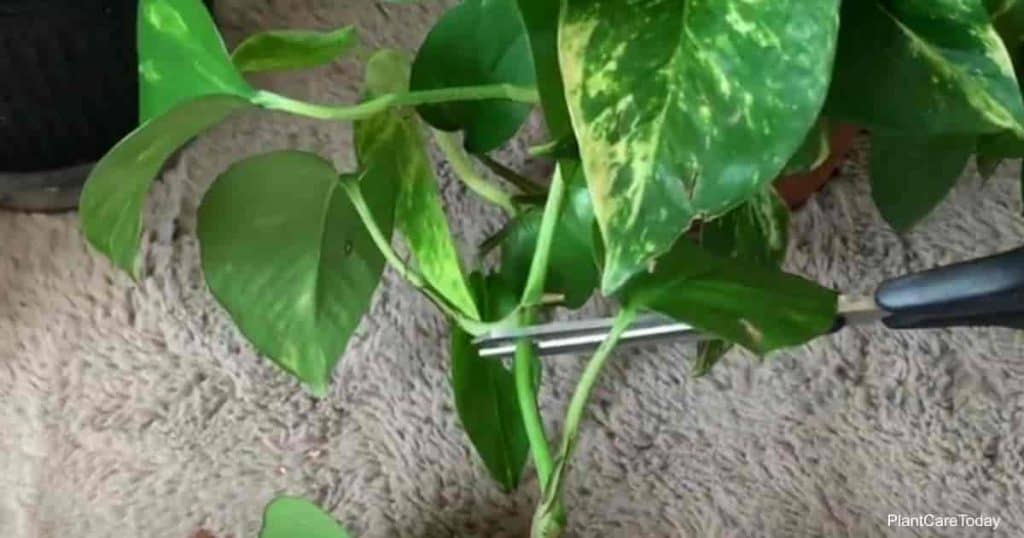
376,105
463,167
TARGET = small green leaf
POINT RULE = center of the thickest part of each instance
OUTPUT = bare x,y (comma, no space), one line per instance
390,148
924,68
572,270
911,175
756,232
814,151
289,517
292,49
474,43
760,308
181,57
684,108
485,391
113,197
286,254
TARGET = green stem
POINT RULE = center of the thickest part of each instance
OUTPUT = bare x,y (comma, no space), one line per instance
466,173
351,186
549,519
533,292
519,181
366,109
525,362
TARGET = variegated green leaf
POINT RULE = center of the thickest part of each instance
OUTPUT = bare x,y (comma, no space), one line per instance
1008,20
760,308
921,68
181,57
187,84
684,108
757,232
390,148
292,49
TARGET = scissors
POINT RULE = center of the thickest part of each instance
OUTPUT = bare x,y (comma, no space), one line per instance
985,292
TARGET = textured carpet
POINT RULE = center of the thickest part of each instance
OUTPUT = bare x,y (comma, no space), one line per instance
138,410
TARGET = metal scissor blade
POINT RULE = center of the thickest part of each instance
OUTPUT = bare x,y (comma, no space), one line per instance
586,335
583,335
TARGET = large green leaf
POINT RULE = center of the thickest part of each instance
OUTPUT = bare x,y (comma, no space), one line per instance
684,108
286,254
757,307
572,270
187,85
757,232
390,148
292,49
113,197
474,43
485,391
541,20
181,57
911,175
935,67
289,517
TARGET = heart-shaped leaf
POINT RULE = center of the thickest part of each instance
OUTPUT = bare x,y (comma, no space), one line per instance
292,49
289,517
485,391
911,175
474,43
187,85
285,252
760,308
390,148
113,197
684,108
924,68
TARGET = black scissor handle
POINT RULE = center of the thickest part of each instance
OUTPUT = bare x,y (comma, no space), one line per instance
984,292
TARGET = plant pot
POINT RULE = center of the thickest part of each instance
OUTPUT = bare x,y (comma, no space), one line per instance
69,92
796,189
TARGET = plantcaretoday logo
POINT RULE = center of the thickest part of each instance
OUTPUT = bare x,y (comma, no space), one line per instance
935,520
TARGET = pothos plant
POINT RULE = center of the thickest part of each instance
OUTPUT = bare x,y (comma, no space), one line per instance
667,123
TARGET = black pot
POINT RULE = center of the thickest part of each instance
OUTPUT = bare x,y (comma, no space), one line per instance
68,93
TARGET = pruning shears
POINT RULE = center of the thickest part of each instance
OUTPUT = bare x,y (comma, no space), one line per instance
985,292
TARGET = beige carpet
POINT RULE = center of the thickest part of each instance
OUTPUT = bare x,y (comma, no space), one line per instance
138,410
